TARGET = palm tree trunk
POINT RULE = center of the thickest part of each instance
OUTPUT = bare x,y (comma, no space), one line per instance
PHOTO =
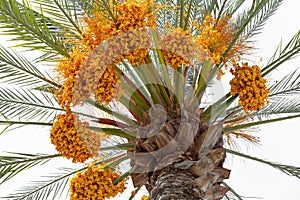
191,180
173,184
182,160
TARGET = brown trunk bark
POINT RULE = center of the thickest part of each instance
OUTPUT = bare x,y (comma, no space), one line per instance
191,180
176,184
179,159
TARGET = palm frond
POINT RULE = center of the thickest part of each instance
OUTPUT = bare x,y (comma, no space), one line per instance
17,162
242,23
169,14
290,51
66,13
16,69
124,118
279,106
260,12
106,8
233,6
260,122
112,131
282,54
221,8
134,193
86,5
27,105
211,6
232,194
56,184
287,169
53,187
289,84
122,146
193,12
12,125
284,97
30,27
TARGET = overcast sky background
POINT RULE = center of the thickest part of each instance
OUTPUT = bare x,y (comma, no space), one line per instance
279,141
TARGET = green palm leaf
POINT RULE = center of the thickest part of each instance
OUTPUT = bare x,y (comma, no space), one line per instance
233,6
290,84
66,13
42,25
260,122
261,10
54,186
278,106
285,90
168,15
212,5
12,125
16,69
27,105
110,111
282,54
242,25
222,7
193,12
26,25
287,169
232,194
12,165
216,6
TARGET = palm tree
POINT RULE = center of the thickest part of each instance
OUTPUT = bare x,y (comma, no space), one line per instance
131,93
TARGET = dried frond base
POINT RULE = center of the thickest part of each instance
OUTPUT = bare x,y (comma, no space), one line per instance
181,158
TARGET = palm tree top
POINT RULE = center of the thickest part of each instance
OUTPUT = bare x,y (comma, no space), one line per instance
129,95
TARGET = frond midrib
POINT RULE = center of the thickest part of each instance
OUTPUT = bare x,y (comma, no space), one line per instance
47,41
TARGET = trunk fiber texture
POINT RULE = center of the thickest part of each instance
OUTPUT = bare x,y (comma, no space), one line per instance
179,156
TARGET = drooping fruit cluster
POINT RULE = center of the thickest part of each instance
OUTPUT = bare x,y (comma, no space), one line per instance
215,37
178,48
84,65
95,183
73,140
250,86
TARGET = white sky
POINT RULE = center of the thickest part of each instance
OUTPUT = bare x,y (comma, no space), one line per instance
279,141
